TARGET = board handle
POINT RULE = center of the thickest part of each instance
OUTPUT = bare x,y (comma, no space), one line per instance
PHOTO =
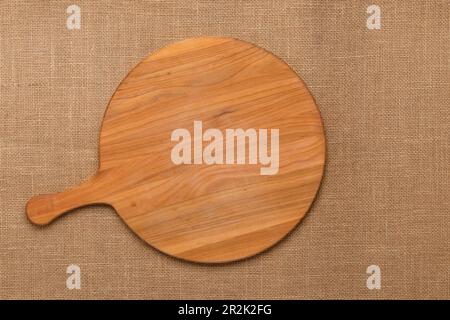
43,209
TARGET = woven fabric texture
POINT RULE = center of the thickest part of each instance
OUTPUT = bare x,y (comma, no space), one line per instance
385,101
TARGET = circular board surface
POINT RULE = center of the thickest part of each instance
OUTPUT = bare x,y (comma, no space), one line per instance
211,150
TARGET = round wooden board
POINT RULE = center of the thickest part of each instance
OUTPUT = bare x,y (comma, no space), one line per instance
204,212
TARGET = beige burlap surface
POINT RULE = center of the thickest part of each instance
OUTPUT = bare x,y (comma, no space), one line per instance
385,101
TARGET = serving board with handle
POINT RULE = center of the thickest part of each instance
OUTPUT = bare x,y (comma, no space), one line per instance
202,212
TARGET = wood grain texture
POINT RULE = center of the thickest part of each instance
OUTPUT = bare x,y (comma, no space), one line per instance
204,213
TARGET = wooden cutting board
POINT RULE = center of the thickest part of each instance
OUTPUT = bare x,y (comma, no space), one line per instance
224,205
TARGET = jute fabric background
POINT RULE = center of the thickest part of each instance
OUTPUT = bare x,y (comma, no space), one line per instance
385,101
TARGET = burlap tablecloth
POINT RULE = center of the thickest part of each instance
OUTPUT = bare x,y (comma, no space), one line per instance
384,98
